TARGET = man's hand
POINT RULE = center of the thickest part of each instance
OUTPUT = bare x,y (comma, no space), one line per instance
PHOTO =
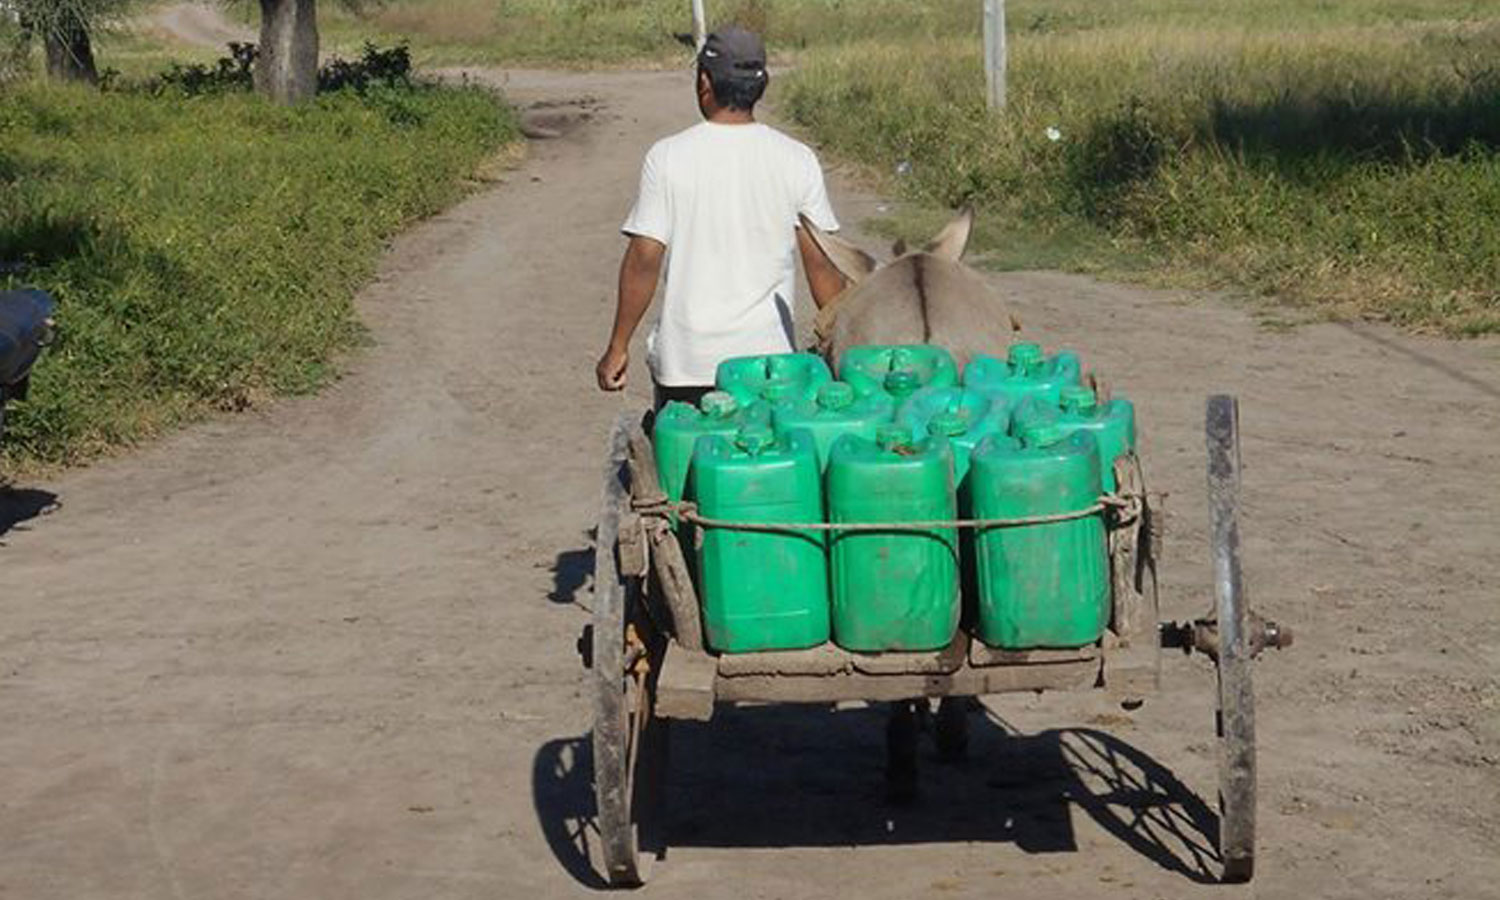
611,369
639,271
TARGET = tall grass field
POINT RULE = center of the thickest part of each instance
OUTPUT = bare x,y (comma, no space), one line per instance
205,249
1340,155
584,33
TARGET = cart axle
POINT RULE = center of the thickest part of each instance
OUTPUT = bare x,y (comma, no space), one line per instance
1202,635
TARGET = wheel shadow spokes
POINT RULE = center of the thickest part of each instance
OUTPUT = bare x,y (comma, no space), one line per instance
810,776
562,790
1141,802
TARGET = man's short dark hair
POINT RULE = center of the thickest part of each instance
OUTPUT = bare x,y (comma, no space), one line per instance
736,93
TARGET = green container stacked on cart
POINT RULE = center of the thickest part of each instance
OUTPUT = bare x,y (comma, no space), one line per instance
897,370
1025,372
898,441
777,378
833,413
678,427
1041,585
893,590
761,590
1078,409
963,416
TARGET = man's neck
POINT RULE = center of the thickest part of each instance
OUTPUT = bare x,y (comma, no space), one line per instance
732,117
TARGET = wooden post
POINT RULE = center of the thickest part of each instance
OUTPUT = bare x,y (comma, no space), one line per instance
700,25
994,52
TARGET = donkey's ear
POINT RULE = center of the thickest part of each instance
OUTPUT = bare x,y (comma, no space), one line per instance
853,263
954,238
898,249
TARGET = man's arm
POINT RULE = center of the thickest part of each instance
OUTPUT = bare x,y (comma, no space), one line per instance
825,281
639,271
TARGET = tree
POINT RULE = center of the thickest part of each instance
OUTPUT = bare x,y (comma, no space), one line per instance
65,27
287,69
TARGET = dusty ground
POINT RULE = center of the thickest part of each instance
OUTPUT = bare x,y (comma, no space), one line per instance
327,650
198,24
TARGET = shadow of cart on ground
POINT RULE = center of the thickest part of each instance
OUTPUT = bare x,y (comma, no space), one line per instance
803,776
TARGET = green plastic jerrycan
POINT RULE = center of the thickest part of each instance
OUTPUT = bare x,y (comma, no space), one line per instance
1078,409
965,417
1044,585
835,412
869,368
778,378
1025,372
678,427
893,590
762,590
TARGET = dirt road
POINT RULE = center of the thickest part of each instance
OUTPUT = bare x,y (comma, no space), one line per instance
327,650
195,24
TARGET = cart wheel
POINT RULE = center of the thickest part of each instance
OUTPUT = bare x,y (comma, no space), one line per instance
627,652
1236,706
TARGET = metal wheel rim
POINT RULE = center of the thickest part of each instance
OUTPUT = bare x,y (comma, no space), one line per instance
615,728
1235,723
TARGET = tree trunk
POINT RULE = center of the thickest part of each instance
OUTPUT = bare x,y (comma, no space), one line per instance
70,54
287,69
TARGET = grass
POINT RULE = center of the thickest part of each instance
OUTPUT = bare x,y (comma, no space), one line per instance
205,250
1340,155
628,32
1345,160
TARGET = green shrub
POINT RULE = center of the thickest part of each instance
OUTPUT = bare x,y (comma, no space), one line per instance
205,249
235,72
376,66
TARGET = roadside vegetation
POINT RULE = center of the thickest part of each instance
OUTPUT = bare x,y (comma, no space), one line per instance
1341,156
204,244
631,32
1346,162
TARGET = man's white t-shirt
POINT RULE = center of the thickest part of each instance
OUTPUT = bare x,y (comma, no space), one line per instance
724,200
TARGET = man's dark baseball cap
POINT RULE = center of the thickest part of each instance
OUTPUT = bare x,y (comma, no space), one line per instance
733,53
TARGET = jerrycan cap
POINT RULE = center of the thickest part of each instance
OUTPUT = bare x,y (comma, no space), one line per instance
891,436
901,383
835,395
719,404
1075,398
948,424
1025,357
1043,434
754,438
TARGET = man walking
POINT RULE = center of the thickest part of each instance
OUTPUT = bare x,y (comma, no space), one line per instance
718,205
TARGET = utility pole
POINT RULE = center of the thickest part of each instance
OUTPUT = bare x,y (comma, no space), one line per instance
700,25
994,52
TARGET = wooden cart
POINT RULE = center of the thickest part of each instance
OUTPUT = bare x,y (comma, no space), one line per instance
650,665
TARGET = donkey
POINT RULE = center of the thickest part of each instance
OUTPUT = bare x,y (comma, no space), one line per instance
927,296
